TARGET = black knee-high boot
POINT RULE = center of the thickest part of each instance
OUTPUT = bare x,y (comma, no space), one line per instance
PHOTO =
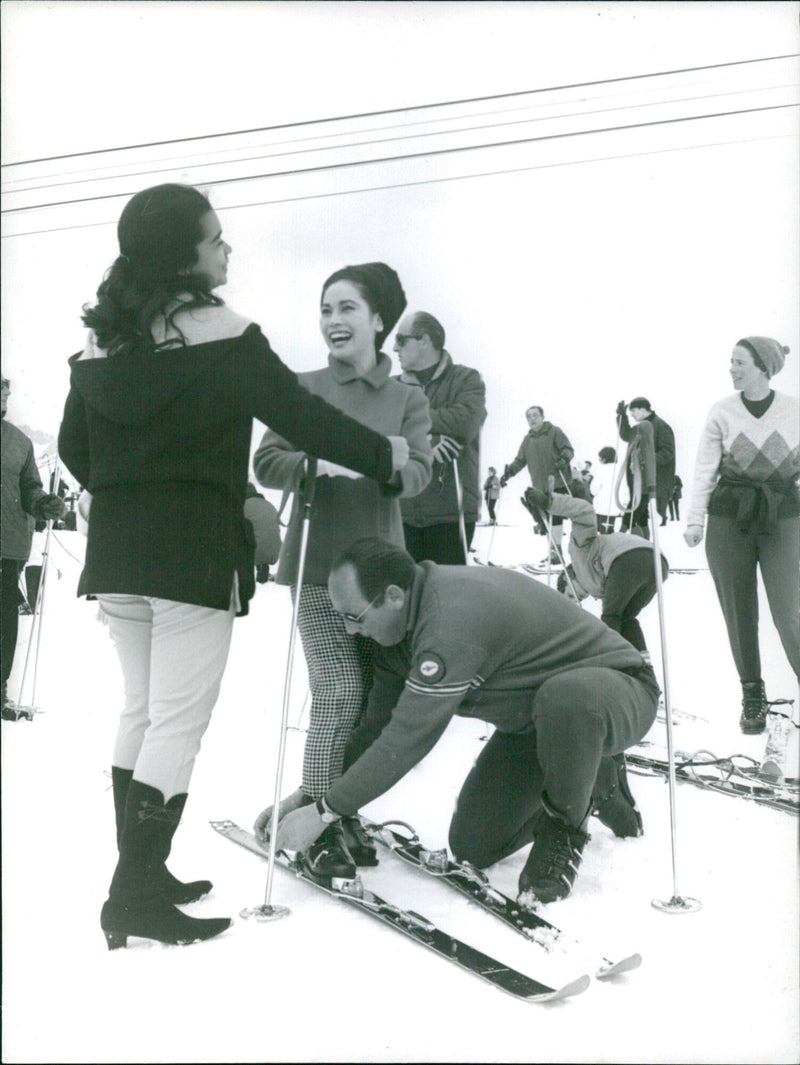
136,905
173,890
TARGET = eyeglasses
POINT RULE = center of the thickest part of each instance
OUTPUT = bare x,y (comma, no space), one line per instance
357,619
401,339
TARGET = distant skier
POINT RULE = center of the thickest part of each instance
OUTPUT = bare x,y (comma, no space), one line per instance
547,452
23,498
564,692
491,493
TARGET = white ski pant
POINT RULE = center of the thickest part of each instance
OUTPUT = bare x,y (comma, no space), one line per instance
173,656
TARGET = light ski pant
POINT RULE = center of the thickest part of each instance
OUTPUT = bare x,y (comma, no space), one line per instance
733,558
173,656
578,717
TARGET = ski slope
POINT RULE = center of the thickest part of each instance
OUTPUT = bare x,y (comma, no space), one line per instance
328,984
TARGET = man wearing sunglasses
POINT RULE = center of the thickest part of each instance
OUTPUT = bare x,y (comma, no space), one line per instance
457,399
564,693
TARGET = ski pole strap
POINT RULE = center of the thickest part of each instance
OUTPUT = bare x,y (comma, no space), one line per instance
644,430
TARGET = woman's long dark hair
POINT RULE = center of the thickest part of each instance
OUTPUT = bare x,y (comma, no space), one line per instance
158,233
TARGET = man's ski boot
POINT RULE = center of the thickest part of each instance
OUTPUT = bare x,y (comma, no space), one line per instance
754,707
613,802
358,842
552,864
328,860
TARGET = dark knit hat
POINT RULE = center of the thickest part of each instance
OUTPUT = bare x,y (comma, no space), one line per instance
768,354
640,401
380,287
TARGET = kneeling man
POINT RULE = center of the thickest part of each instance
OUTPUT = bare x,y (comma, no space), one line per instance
564,692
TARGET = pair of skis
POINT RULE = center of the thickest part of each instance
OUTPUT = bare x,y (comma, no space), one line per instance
737,775
463,878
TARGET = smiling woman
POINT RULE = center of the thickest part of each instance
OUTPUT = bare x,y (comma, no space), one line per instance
359,307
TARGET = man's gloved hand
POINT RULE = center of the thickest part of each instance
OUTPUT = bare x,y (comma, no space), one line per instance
292,802
446,450
504,477
537,498
621,408
50,508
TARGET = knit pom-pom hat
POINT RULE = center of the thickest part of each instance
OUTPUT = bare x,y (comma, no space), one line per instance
768,354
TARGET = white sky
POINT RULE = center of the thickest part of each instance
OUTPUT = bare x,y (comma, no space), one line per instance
566,282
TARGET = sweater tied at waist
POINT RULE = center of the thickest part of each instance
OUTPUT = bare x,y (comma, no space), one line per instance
757,503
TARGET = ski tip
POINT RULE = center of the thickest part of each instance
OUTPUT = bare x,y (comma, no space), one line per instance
625,965
575,987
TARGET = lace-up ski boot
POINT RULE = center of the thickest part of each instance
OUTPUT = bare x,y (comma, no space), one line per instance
613,802
329,859
172,889
552,865
754,707
359,843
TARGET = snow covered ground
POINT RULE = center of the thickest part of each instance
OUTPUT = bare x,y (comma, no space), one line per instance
329,984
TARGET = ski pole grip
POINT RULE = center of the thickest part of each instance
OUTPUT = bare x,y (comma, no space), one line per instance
310,483
645,430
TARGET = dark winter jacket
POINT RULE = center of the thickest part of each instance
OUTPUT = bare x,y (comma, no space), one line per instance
457,398
21,491
162,442
664,445
546,452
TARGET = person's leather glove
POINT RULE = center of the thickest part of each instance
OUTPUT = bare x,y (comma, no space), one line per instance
537,498
621,408
50,508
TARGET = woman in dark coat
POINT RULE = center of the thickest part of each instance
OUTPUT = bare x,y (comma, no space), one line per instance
157,426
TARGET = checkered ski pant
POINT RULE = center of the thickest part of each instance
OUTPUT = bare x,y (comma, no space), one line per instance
340,676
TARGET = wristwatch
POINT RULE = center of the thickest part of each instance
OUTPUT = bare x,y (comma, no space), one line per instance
326,813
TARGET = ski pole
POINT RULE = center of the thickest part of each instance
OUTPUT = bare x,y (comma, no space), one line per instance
678,903
611,498
462,529
267,911
550,486
38,612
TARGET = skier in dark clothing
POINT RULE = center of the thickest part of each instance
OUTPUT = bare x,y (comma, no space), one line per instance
675,499
457,399
664,445
157,426
23,498
564,692
546,452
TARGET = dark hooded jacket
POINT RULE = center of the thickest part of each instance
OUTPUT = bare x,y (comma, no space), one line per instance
664,446
162,441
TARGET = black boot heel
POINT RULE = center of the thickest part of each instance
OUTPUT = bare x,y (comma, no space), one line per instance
115,940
